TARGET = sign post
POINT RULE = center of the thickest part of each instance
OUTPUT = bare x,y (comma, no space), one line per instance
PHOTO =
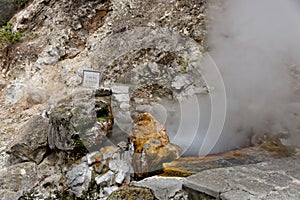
91,78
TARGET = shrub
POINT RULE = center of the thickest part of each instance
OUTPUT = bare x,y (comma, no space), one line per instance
8,36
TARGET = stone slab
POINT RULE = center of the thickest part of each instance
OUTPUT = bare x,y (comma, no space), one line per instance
276,179
162,187
186,166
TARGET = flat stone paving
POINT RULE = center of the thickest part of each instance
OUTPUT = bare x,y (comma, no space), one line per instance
278,179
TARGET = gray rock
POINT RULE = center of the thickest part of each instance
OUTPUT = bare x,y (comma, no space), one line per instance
74,81
82,123
36,96
79,178
105,179
50,56
10,195
31,143
16,179
108,190
90,158
121,176
162,187
277,179
153,67
124,106
121,97
121,166
182,81
120,89
14,93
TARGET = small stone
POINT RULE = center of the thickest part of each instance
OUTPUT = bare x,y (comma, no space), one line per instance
91,157
109,190
181,81
120,176
105,178
153,67
113,165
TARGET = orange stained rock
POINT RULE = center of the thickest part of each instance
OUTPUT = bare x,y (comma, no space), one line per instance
145,127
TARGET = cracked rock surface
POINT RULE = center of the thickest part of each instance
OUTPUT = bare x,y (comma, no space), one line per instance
277,179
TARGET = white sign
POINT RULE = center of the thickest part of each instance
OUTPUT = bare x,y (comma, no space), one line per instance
91,78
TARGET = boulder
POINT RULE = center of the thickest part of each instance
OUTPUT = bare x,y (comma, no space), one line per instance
151,145
82,123
17,179
31,143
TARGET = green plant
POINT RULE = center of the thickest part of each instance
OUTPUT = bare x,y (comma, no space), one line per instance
8,36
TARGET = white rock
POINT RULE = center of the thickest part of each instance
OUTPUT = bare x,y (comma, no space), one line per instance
105,178
181,80
14,93
109,190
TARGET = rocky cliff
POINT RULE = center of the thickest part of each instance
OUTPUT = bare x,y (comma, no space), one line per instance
146,51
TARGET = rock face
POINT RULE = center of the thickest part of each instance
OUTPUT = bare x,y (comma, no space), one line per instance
17,179
31,144
151,145
82,123
141,44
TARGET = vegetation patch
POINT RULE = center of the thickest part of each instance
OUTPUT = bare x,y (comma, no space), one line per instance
8,36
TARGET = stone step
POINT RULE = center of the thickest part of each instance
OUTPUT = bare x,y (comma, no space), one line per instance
271,180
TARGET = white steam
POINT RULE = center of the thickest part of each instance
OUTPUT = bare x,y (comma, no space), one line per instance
256,46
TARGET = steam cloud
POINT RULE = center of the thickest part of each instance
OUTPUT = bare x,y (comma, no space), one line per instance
256,46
